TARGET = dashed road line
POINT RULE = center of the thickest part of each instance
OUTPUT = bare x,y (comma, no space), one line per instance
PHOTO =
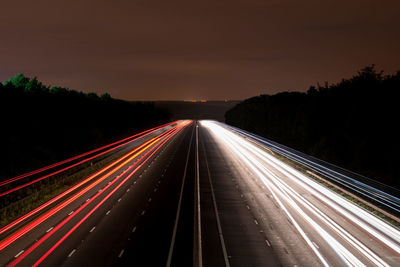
71,253
171,247
19,253
221,236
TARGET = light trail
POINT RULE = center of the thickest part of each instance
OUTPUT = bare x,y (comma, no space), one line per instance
146,157
281,186
16,178
127,158
78,163
387,200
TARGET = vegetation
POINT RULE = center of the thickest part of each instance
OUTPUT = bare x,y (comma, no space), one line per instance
352,123
42,124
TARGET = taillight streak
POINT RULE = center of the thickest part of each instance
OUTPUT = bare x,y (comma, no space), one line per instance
80,156
73,165
60,206
45,237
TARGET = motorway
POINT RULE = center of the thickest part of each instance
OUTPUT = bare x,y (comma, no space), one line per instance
199,194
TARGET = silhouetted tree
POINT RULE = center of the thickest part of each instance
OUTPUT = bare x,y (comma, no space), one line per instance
352,123
41,124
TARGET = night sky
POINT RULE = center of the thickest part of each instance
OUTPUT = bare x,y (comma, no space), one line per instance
208,49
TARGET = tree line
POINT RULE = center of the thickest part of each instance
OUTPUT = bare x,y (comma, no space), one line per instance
352,123
44,124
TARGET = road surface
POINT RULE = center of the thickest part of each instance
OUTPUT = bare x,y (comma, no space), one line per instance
200,194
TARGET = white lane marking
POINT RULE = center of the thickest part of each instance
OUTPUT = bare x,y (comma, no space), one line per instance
178,211
19,253
134,182
149,200
134,229
119,200
199,248
87,199
155,189
247,206
120,254
51,228
127,190
269,244
315,245
255,221
143,212
108,212
221,236
70,213
91,230
71,253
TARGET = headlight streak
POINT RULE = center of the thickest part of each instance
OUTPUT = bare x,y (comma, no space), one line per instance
346,208
255,158
366,190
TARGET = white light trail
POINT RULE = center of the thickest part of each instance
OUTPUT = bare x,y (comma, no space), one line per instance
266,167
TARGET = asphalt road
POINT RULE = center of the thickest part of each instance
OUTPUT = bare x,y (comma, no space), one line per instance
204,197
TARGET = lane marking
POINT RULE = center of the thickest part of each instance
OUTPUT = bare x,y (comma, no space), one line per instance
108,212
269,244
119,200
255,221
178,211
19,253
199,248
149,200
91,230
134,229
120,254
70,213
143,212
221,236
71,253
51,228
